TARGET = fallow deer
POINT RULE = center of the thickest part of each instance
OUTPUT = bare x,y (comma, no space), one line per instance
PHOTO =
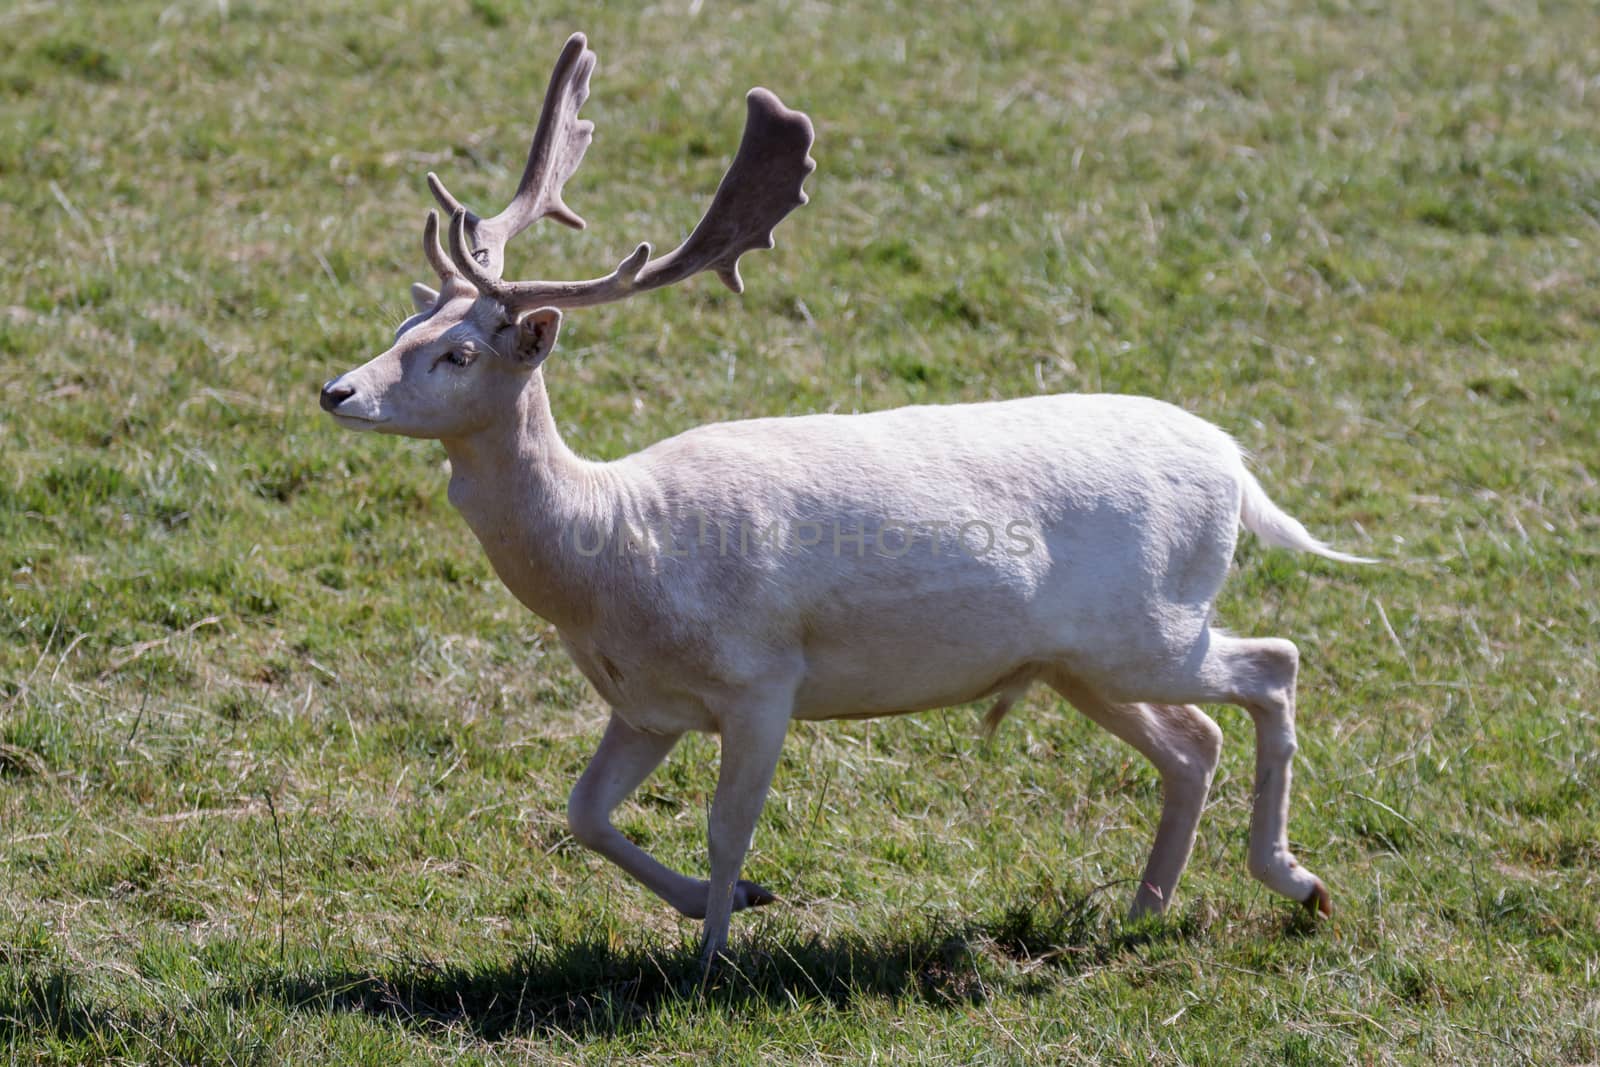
744,575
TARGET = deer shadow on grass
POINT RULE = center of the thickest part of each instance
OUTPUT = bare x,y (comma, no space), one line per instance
588,988
51,1001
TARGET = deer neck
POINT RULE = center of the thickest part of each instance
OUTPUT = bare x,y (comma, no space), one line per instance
527,498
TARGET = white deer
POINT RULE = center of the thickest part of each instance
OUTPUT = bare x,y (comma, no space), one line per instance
743,575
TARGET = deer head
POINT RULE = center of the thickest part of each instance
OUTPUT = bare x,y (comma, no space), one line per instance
458,364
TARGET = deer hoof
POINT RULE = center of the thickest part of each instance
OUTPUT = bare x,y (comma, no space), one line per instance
750,895
1319,902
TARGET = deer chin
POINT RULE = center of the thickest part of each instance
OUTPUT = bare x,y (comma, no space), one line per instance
360,423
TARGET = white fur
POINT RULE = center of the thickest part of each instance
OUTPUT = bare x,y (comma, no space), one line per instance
1131,508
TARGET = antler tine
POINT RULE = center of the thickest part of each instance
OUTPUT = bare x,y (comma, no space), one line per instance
763,184
553,156
450,204
438,259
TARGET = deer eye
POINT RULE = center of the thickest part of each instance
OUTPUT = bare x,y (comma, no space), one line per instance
456,358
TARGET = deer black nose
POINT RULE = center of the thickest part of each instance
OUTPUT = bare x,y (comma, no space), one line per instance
334,394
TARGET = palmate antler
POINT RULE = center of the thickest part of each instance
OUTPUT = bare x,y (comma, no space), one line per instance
762,185
557,149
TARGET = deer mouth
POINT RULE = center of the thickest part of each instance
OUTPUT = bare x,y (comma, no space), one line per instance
333,400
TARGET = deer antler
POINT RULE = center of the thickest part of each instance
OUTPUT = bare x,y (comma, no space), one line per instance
557,149
437,258
761,187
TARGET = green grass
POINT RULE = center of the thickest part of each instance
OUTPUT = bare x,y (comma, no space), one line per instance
282,767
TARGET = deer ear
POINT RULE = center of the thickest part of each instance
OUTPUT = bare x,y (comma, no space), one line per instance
423,298
536,336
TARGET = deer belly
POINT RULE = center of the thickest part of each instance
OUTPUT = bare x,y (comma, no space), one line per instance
884,676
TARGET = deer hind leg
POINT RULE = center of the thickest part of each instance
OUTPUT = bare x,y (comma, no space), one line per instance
1262,674
1258,674
1184,745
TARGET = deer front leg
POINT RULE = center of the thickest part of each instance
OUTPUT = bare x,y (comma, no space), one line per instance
620,765
623,761
752,738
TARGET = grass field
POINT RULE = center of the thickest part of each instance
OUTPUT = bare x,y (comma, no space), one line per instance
283,767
